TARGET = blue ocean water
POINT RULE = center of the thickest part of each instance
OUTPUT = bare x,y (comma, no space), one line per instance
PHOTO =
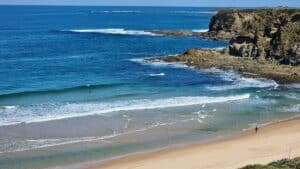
78,54
58,63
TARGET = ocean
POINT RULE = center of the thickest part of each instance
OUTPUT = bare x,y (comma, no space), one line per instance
75,86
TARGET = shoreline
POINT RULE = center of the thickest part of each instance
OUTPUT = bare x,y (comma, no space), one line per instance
103,105
154,158
210,58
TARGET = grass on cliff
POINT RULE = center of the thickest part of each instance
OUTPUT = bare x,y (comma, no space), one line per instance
281,164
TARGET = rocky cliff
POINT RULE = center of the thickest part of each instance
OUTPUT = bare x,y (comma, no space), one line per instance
264,43
264,34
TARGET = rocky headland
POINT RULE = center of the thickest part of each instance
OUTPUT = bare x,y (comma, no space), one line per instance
262,43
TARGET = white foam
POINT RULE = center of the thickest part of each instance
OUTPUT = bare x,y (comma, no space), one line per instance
128,11
220,48
24,145
157,74
40,113
294,108
293,95
217,48
200,30
159,62
238,81
200,116
9,107
195,12
114,31
293,86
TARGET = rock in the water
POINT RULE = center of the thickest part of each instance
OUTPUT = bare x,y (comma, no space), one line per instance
260,34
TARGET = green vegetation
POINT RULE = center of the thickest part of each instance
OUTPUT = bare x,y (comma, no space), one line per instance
281,164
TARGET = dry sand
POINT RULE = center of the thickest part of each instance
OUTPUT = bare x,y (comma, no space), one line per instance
272,142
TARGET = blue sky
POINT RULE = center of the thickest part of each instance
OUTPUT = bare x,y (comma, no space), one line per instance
231,3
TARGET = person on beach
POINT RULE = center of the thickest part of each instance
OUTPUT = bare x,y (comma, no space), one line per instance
256,129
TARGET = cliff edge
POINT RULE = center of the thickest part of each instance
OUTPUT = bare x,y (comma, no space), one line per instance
262,43
264,34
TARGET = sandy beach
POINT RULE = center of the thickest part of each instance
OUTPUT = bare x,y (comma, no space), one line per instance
272,142
164,85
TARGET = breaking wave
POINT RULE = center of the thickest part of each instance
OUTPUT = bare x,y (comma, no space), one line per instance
55,111
200,30
117,11
113,31
157,74
238,82
158,62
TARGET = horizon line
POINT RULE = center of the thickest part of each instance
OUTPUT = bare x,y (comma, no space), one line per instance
69,5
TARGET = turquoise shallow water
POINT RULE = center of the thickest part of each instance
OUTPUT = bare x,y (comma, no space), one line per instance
76,86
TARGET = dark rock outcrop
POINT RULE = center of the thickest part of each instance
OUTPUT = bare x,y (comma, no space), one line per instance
208,58
263,43
265,34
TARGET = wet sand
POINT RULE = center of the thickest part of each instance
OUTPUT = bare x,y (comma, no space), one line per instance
272,142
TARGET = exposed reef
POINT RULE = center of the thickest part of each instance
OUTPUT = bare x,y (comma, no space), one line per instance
205,58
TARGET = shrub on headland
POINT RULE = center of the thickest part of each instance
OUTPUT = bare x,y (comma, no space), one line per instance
281,164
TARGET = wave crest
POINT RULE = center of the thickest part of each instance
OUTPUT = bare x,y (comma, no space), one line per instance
113,31
157,74
238,81
158,62
129,11
55,112
63,90
200,30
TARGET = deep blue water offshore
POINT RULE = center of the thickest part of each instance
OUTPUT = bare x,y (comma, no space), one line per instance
61,63
62,55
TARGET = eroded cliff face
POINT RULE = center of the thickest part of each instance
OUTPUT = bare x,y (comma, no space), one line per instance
264,34
264,43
